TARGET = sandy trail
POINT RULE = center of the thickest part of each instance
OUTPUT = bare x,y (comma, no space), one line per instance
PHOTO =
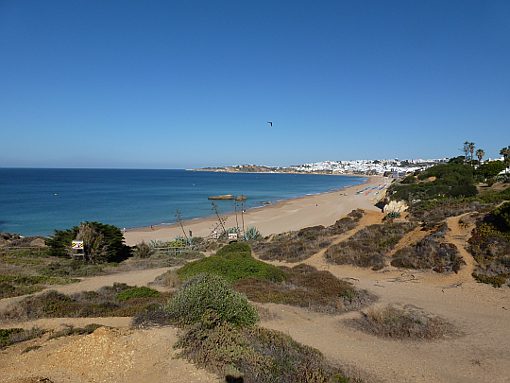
459,236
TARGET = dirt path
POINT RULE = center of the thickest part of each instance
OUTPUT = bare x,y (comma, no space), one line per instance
479,311
459,235
480,355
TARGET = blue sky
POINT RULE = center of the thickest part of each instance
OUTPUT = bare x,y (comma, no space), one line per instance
171,84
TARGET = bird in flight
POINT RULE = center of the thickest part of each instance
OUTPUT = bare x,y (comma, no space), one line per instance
270,123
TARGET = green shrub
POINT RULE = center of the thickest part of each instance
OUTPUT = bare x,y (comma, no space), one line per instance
232,262
252,234
451,180
137,292
501,216
256,355
494,280
236,247
490,169
206,293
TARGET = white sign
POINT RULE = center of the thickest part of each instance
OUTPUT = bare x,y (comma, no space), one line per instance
232,236
77,245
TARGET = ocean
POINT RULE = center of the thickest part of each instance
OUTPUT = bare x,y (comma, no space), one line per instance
38,201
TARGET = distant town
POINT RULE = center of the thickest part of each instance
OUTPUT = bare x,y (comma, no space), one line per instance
394,167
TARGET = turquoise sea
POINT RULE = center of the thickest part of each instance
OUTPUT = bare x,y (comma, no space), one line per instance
38,201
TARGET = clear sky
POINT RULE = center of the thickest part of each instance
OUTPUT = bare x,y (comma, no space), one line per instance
171,84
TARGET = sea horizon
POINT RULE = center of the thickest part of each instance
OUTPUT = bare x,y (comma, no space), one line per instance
37,201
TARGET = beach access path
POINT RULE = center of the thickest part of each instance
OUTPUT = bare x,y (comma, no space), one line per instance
293,214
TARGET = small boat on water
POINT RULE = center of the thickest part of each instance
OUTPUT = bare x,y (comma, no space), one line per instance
223,197
241,198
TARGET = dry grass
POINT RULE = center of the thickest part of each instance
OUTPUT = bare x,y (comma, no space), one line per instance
406,322
305,286
429,254
369,246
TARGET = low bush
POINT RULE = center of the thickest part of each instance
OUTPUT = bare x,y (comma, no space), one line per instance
490,246
431,254
368,247
232,262
494,280
12,336
137,292
100,303
70,330
255,355
209,293
307,287
151,316
403,323
236,248
142,250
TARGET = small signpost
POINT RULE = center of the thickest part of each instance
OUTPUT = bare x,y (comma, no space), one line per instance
77,248
232,237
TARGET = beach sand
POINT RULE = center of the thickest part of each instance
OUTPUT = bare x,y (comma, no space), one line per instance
293,214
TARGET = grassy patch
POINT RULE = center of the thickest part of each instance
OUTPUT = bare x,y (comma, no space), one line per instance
307,287
16,285
11,336
100,303
403,323
368,247
207,294
299,245
137,292
232,262
256,355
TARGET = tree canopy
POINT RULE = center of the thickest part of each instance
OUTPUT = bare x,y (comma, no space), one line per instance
102,242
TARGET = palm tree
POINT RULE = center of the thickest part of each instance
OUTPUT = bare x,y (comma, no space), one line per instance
471,147
480,153
466,149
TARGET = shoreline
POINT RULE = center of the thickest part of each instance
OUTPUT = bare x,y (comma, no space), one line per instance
285,215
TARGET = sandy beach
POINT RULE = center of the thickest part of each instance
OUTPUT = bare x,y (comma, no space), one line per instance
293,214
